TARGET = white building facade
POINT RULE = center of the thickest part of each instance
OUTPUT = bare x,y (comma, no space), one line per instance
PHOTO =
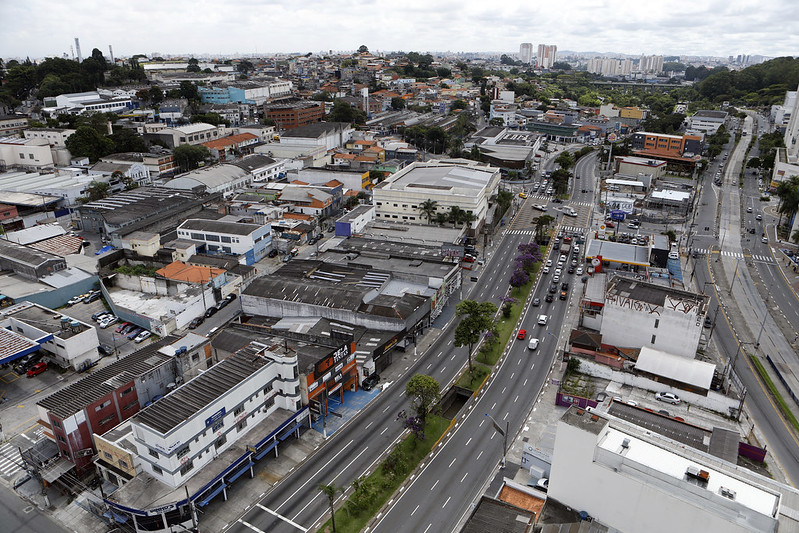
637,314
187,429
249,242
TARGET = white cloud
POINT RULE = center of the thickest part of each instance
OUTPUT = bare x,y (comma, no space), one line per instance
682,27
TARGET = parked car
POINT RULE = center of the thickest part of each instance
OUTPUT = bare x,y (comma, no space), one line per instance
108,321
92,298
370,381
708,322
37,369
222,304
533,344
211,311
105,350
74,300
122,326
273,253
522,334
134,333
100,315
196,322
141,337
668,397
542,484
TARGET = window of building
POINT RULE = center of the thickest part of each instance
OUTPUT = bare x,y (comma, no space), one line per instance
267,389
131,405
653,339
57,424
107,455
220,442
227,239
102,405
195,358
123,464
183,451
108,419
238,411
269,402
213,238
187,468
241,425
153,452
657,322
157,470
126,391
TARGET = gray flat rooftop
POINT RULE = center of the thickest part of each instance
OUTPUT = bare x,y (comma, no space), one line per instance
217,226
440,177
649,292
192,397
617,252
43,319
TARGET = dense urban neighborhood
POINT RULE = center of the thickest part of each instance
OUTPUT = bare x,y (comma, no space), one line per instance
399,292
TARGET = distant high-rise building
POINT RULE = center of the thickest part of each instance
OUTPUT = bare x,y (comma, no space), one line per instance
546,55
526,53
651,64
77,50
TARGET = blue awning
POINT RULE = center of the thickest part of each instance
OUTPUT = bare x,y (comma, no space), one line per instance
266,450
238,474
211,495
118,518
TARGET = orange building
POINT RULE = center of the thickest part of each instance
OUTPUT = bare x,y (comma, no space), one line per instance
290,116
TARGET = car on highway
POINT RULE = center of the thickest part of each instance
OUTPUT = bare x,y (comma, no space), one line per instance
563,294
36,369
196,321
556,278
542,320
668,397
748,209
536,302
370,381
759,217
545,270
549,298
579,271
522,334
141,337
533,344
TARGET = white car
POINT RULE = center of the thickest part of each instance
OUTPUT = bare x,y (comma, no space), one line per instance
555,278
104,323
558,272
542,320
142,336
549,262
545,270
579,271
533,344
668,397
562,258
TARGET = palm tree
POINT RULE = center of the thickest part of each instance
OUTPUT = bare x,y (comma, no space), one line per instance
455,215
429,208
330,491
788,193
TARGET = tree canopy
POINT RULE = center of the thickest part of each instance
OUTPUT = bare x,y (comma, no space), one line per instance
423,392
476,319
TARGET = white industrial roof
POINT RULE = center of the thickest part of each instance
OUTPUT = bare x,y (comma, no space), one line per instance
679,196
682,369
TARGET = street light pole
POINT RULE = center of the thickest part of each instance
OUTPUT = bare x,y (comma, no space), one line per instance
504,434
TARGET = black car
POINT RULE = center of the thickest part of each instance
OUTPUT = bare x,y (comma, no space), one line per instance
564,286
196,322
273,253
571,270
708,322
211,311
105,349
549,298
553,288
370,382
536,302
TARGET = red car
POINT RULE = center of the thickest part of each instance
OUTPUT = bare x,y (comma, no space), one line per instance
522,334
37,369
610,224
122,326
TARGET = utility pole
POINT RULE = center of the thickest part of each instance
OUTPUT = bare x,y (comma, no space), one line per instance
504,433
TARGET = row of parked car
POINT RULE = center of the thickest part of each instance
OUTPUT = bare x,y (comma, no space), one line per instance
30,365
89,297
133,332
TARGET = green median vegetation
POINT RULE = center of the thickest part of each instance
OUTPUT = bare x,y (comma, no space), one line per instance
371,493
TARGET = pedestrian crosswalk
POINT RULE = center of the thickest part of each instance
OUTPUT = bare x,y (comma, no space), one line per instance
585,204
567,229
737,255
10,460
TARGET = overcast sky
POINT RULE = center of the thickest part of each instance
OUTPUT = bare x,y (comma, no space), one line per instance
44,28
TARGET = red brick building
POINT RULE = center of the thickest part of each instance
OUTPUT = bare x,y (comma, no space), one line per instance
294,115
